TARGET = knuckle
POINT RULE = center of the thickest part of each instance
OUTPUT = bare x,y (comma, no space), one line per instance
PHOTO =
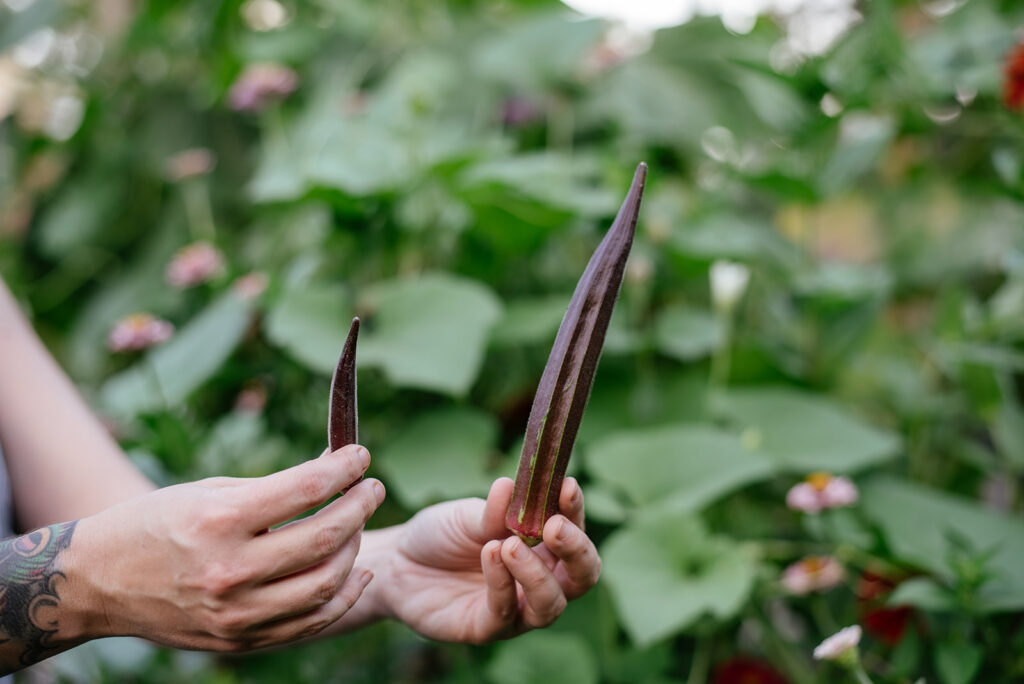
326,590
219,579
368,503
325,541
218,517
230,625
314,487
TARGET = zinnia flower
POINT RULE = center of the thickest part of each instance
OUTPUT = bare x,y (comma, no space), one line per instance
251,285
260,84
814,573
189,163
1013,86
886,623
745,670
841,646
820,491
138,331
193,265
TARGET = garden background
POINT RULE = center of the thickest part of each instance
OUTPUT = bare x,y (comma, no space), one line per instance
444,170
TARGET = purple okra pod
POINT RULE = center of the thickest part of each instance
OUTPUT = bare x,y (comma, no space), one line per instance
569,374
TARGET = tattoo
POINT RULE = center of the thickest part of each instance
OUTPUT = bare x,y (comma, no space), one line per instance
30,578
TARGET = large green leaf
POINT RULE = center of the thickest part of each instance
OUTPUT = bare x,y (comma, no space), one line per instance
429,332
530,321
440,455
675,467
543,657
919,523
687,334
804,432
311,323
171,372
665,572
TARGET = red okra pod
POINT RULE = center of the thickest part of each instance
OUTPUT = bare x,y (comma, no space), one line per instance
343,414
569,374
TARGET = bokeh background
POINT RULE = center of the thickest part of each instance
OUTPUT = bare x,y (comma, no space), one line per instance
254,173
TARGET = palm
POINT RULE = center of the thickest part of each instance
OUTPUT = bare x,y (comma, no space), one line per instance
458,576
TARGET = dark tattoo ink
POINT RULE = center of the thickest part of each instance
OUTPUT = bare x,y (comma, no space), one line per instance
30,580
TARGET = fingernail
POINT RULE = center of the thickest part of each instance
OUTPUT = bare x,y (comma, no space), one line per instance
562,533
365,579
364,456
378,490
516,548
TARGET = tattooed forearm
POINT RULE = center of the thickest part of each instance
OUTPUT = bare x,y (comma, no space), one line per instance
30,585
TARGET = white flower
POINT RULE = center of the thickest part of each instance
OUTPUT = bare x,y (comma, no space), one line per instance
820,491
728,283
840,646
814,573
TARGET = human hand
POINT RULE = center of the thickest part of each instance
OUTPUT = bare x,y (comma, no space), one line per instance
194,565
455,574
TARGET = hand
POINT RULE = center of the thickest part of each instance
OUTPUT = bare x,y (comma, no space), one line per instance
194,565
455,574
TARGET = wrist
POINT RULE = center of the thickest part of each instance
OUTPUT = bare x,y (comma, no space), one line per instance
84,613
378,551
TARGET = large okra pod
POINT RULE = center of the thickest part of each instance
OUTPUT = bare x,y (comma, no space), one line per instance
343,414
569,374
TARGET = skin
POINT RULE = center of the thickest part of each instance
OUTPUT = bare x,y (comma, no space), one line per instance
215,565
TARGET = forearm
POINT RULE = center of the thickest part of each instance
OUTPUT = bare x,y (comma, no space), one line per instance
62,463
41,608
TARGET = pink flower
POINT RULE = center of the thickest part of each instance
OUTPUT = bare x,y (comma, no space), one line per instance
252,399
196,161
820,491
814,573
193,265
260,84
138,331
841,646
251,285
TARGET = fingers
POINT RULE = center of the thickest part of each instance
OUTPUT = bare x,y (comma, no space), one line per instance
315,621
570,502
581,565
306,591
544,598
492,523
305,543
276,498
502,600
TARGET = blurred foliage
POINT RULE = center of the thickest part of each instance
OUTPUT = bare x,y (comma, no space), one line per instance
444,170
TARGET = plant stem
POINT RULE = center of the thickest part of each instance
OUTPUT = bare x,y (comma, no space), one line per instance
198,210
701,659
718,378
860,674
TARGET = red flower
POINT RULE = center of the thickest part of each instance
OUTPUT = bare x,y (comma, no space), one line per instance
888,625
1013,88
745,670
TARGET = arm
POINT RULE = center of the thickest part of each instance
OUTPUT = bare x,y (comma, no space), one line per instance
195,565
62,463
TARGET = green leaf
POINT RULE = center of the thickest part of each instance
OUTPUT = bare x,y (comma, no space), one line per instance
79,215
923,593
687,334
172,371
429,332
439,455
311,324
666,572
804,432
917,523
541,658
957,663
530,321
675,467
